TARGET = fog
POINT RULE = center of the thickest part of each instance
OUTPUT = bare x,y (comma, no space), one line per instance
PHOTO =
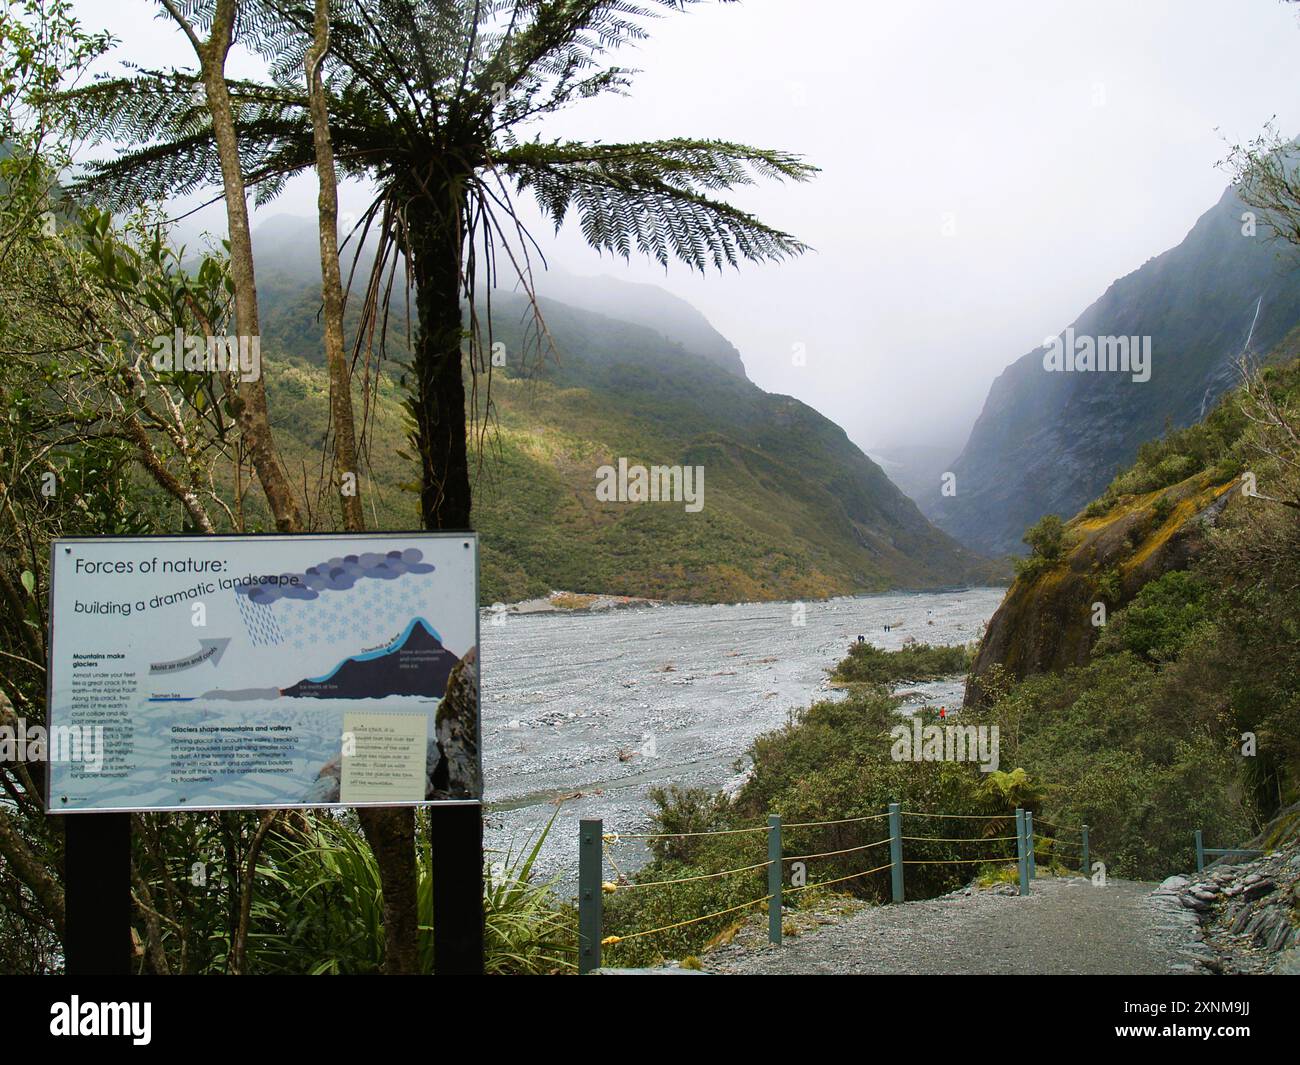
987,170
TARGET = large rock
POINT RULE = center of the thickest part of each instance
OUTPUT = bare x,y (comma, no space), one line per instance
457,773
1045,623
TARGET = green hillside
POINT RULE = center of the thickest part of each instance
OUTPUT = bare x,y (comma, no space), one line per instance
792,508
1176,704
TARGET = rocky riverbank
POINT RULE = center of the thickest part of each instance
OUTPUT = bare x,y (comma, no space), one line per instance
1246,913
560,602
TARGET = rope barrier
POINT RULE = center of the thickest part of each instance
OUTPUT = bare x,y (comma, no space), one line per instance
686,879
1067,828
960,839
965,817
960,861
618,837
1042,846
609,941
837,880
610,858
831,854
843,821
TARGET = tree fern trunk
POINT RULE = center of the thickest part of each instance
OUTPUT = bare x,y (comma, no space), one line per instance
438,408
438,405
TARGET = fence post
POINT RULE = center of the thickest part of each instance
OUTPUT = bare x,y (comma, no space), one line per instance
1200,852
1087,867
1022,866
1032,844
896,850
774,873
591,901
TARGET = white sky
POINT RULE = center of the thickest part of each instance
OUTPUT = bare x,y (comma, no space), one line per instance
1070,141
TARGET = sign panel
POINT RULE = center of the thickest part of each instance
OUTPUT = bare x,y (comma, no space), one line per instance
237,672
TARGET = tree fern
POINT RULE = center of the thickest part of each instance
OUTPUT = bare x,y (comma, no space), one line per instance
431,100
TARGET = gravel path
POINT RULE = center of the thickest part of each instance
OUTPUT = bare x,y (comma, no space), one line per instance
1065,925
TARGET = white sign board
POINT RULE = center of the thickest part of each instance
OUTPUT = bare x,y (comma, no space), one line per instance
239,672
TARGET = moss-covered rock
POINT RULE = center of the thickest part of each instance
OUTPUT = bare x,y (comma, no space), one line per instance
1054,612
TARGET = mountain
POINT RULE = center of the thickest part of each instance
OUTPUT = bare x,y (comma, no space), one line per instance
791,507
415,663
646,305
1047,442
916,468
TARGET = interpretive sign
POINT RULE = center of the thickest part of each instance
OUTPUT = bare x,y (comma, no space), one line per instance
220,672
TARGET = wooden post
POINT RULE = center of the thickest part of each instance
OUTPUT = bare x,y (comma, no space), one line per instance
1087,867
1200,852
97,894
591,903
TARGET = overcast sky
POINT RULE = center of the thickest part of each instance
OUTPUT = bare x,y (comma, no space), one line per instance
1062,144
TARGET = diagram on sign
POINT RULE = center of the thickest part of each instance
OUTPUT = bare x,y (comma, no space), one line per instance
415,663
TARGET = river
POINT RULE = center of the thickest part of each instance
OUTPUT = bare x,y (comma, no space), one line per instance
599,707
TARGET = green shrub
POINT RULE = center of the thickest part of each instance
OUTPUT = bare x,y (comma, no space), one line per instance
1160,620
1162,508
1046,539
867,663
318,908
1123,751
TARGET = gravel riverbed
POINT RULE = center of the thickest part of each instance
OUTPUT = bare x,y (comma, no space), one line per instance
585,712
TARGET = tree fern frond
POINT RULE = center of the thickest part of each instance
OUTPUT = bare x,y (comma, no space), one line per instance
652,197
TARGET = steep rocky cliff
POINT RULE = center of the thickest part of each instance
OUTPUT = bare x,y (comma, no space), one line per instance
1047,442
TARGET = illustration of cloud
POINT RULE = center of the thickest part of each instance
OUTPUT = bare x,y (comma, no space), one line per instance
338,575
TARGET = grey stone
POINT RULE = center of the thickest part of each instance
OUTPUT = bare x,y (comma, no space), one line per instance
1280,936
1257,889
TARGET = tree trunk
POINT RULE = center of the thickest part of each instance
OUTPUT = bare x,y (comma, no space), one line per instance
439,403
251,412
390,831
327,204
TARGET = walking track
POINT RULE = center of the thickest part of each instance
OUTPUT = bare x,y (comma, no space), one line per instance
1064,926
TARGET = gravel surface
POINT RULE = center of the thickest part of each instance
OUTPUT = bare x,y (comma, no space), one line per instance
1064,926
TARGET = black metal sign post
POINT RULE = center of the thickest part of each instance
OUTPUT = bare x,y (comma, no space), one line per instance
456,841
97,894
